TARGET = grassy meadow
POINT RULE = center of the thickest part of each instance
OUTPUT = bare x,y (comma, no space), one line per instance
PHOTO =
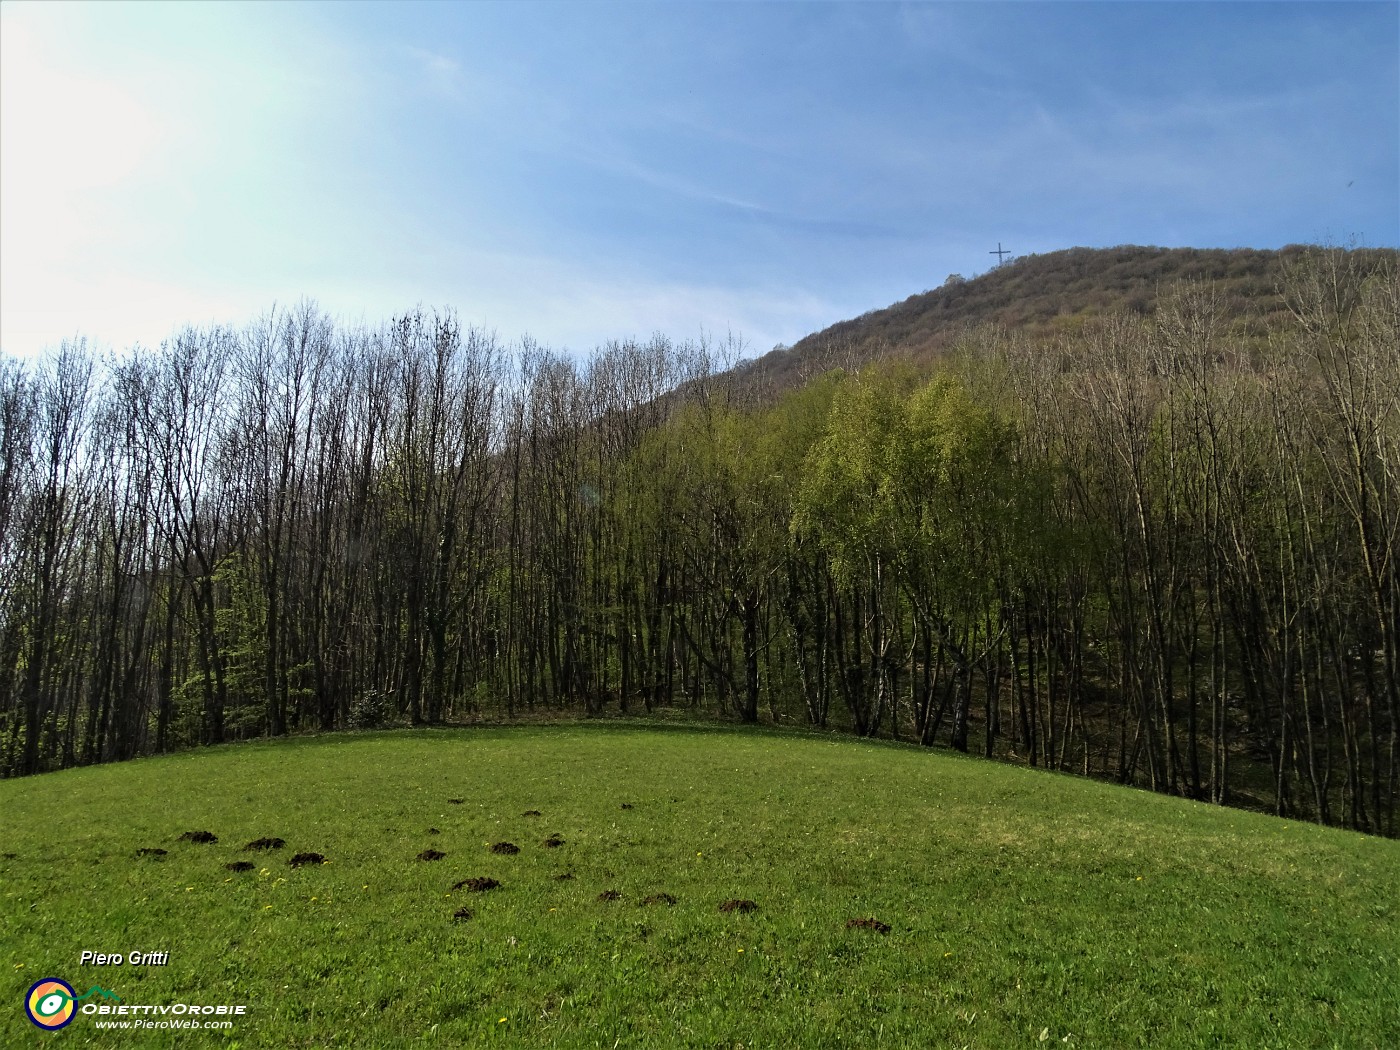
1023,908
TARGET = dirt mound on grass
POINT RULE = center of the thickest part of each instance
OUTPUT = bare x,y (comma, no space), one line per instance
480,885
199,836
625,805
150,851
738,905
531,813
868,924
659,898
553,842
431,854
508,849
434,831
265,844
609,895
306,858
240,865
456,801
461,915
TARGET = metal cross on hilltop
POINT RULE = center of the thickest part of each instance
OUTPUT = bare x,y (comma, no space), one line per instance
999,253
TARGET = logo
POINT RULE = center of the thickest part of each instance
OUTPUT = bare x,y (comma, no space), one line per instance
51,1003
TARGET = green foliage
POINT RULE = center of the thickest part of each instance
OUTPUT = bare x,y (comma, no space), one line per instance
241,622
371,709
852,497
924,480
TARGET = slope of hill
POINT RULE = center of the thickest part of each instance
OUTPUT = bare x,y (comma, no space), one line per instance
1040,295
899,897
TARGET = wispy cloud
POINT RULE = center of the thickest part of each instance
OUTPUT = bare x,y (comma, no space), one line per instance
952,33
586,173
441,74
665,181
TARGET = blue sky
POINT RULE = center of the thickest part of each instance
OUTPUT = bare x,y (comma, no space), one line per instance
584,172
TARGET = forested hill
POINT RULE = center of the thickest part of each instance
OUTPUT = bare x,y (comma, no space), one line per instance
1043,295
1152,549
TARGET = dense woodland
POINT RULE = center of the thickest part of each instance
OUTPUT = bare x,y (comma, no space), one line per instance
1140,546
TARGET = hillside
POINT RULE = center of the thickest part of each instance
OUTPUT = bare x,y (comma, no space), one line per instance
900,897
1042,295
1083,553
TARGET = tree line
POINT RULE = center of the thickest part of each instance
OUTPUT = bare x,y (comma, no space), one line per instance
1139,549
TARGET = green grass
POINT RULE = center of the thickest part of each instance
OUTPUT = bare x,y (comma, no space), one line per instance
1026,908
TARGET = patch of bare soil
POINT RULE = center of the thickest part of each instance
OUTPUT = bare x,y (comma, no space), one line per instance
625,805
431,854
266,844
739,906
868,924
610,895
240,865
434,831
306,858
461,915
659,898
456,801
531,813
508,849
150,851
199,836
553,842
480,885
564,876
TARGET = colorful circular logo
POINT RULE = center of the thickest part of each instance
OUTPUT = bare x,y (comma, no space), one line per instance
49,1003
